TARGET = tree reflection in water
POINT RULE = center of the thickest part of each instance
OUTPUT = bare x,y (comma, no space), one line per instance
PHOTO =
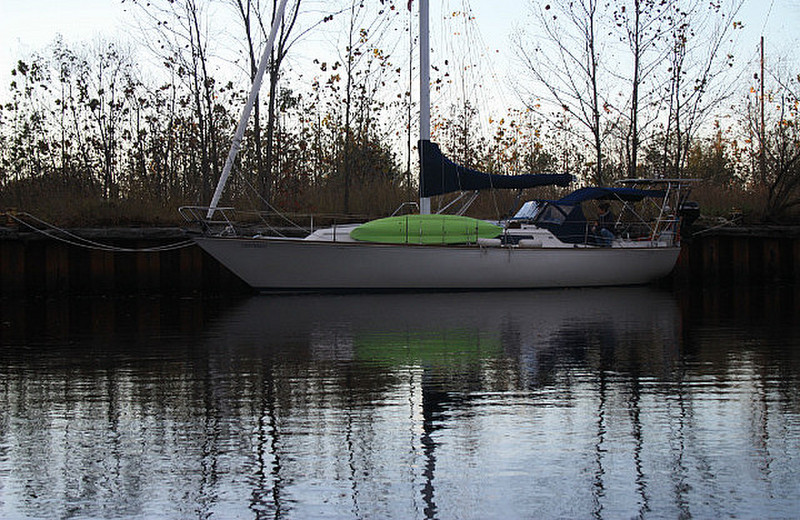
605,402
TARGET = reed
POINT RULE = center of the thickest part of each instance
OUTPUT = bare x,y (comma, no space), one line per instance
83,205
735,203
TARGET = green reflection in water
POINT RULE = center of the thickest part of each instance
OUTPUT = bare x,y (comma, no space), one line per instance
438,348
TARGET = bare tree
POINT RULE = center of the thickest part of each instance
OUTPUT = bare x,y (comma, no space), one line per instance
775,118
566,64
252,16
366,28
109,78
177,31
697,69
644,25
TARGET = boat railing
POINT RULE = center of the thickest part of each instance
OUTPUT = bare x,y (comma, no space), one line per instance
229,221
660,231
221,219
411,206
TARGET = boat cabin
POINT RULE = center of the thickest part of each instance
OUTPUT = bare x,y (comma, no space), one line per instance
567,221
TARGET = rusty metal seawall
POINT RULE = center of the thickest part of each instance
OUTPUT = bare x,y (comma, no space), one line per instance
137,261
741,255
32,263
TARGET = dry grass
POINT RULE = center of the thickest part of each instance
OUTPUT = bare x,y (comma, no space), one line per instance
84,206
372,199
733,203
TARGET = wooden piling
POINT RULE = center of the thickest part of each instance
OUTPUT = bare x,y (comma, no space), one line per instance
711,266
57,268
148,271
101,267
682,273
795,262
772,260
12,267
191,269
741,260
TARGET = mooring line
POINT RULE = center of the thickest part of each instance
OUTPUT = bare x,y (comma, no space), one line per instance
85,243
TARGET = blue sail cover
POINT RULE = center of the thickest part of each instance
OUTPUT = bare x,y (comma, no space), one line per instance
596,193
441,175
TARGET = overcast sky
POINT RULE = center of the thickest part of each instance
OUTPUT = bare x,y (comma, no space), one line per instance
29,25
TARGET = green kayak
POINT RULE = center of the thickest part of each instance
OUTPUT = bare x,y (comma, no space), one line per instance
425,229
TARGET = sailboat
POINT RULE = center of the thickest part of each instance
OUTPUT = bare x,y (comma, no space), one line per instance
548,243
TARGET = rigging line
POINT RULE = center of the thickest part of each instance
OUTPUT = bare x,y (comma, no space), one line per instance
445,41
469,83
272,208
481,53
766,18
484,86
473,61
451,86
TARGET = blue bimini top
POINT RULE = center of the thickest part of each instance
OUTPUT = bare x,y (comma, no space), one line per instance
599,193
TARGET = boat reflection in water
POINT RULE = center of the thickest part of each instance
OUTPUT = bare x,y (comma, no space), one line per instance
568,403
526,333
471,368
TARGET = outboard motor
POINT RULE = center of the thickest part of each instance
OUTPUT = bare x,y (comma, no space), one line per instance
689,211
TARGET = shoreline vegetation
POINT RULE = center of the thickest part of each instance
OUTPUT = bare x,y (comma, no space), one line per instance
65,207
89,138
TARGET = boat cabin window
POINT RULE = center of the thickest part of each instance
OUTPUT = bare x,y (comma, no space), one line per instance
553,214
528,211
566,222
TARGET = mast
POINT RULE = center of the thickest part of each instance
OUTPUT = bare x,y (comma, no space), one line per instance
237,138
424,92
762,153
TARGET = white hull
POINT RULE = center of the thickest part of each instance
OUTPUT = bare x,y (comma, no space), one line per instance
296,264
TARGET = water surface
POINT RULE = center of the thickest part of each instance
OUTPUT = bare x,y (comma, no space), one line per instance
602,403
